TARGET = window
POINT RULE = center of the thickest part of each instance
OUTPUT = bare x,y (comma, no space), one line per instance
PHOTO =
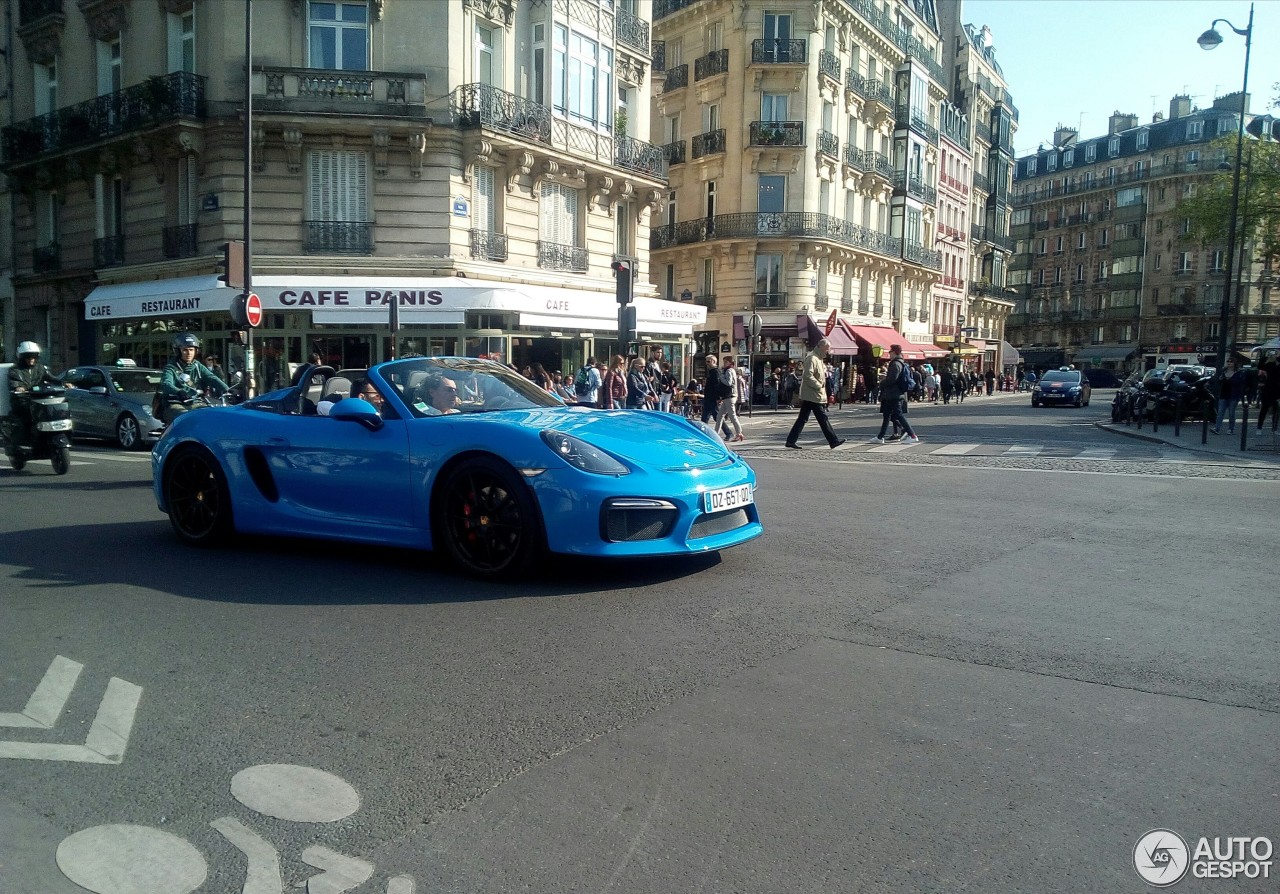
1193,158
1225,125
1079,273
1133,195
711,198
771,193
45,78
1195,130
47,230
1157,261
488,56
1113,147
484,213
1104,237
708,276
1051,163
1216,260
1091,153
1184,227
1057,246
558,214
777,36
338,187
188,195
715,36
1042,246
182,40
1184,262
669,283
1144,138
769,275
338,35
1160,194
1068,158
773,107
624,221
110,202
1102,270
540,63
110,66
1057,275
1031,167
582,77
1040,277
1083,240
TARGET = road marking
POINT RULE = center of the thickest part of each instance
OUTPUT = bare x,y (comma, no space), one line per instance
295,793
1024,450
263,871
108,735
1097,453
123,859
339,872
50,697
111,457
897,447
955,449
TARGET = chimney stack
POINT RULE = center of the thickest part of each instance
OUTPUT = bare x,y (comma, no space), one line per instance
1179,107
1121,121
1064,137
987,38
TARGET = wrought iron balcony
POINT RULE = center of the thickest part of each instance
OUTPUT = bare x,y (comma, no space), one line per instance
828,143
707,301
1124,312
879,91
46,258
659,55
639,156
780,224
489,246
631,30
181,241
674,152
675,78
555,256
982,131
158,100
914,187
776,51
925,257
714,63
664,8
710,142
338,237
483,105
777,133
876,163
108,251
829,65
853,157
770,299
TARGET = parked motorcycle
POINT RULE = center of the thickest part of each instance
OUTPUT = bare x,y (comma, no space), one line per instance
1185,395
49,436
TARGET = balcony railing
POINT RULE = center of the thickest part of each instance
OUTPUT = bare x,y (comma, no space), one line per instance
710,142
631,30
675,78
875,163
981,181
853,157
770,299
181,241
489,246
914,188
108,251
879,91
714,63
659,51
46,258
674,152
554,256
777,133
1125,312
781,224
338,237
925,257
639,156
776,51
829,65
828,143
707,301
664,8
156,101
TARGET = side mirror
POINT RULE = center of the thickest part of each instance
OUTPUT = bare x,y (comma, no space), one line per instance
98,389
354,409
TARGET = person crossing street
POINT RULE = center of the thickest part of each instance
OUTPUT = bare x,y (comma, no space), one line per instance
813,397
897,379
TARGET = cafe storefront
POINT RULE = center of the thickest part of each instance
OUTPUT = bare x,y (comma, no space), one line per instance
347,320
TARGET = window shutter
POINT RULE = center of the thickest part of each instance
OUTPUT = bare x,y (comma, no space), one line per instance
482,198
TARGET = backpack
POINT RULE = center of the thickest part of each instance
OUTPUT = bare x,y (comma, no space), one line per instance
582,383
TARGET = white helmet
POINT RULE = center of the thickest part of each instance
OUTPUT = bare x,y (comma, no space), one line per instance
28,347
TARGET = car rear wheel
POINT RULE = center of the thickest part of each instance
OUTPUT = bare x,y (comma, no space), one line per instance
486,520
198,498
128,432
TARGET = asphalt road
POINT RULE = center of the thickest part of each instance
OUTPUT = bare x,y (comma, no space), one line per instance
985,668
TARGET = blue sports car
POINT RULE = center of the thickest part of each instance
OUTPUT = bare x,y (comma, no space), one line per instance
460,455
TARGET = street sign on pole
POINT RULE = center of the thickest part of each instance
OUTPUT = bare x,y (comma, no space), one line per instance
755,325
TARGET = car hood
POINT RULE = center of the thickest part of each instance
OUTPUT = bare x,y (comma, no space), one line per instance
659,440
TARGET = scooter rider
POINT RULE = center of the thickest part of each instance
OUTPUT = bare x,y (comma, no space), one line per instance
184,377
24,375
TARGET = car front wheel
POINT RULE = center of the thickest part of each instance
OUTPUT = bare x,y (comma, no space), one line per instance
198,498
128,432
486,520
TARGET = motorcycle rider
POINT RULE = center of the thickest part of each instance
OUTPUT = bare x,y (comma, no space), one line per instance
184,377
24,375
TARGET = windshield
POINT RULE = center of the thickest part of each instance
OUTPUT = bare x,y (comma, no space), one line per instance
434,386
138,381
1060,376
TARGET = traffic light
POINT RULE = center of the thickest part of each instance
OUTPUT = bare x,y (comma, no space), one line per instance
627,329
232,264
624,272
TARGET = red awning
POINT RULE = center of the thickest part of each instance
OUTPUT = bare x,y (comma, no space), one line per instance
886,338
842,342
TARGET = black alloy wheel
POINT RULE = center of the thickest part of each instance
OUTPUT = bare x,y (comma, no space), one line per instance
61,459
128,432
486,519
199,501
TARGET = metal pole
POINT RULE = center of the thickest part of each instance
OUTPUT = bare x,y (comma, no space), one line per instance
1224,316
250,377
1244,241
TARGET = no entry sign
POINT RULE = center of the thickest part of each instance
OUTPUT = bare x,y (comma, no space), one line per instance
246,311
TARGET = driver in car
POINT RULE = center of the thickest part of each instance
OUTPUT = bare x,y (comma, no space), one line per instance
442,397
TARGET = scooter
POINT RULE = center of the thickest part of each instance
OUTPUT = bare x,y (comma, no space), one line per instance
50,434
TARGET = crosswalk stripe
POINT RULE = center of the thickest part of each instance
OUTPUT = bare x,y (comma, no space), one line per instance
1096,453
90,458
955,449
1024,450
890,448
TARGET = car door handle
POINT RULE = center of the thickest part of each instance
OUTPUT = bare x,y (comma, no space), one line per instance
277,442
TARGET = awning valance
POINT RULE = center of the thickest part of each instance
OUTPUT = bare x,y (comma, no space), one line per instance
1095,354
1009,355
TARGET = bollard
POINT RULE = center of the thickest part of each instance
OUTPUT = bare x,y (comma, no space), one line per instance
1244,429
1155,416
1177,418
1204,430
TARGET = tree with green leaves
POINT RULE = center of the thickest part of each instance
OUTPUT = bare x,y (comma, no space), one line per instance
1259,207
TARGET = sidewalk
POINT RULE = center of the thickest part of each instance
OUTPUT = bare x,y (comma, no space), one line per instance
1261,446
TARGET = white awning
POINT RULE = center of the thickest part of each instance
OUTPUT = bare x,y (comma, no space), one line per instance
366,299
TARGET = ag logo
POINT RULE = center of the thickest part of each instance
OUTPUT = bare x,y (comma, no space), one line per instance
1161,858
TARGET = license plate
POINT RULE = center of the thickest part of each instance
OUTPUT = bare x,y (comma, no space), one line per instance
729,498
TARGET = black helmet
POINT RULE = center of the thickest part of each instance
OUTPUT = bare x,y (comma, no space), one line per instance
185,340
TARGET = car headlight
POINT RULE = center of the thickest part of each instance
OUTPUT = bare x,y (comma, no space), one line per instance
1035,390
581,455
1074,389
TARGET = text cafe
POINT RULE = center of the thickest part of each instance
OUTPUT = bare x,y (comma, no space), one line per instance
346,320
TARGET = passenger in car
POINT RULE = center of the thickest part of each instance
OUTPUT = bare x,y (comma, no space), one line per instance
365,391
441,397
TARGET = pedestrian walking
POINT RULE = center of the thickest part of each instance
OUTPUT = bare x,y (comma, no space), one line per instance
730,391
1230,389
712,391
813,397
897,384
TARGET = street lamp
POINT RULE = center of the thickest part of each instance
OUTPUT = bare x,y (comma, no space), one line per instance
1208,41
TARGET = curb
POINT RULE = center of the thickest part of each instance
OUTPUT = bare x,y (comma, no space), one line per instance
1205,449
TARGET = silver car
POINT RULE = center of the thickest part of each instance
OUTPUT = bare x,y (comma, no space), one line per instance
114,402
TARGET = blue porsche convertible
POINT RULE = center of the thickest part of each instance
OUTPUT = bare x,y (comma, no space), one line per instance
455,454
